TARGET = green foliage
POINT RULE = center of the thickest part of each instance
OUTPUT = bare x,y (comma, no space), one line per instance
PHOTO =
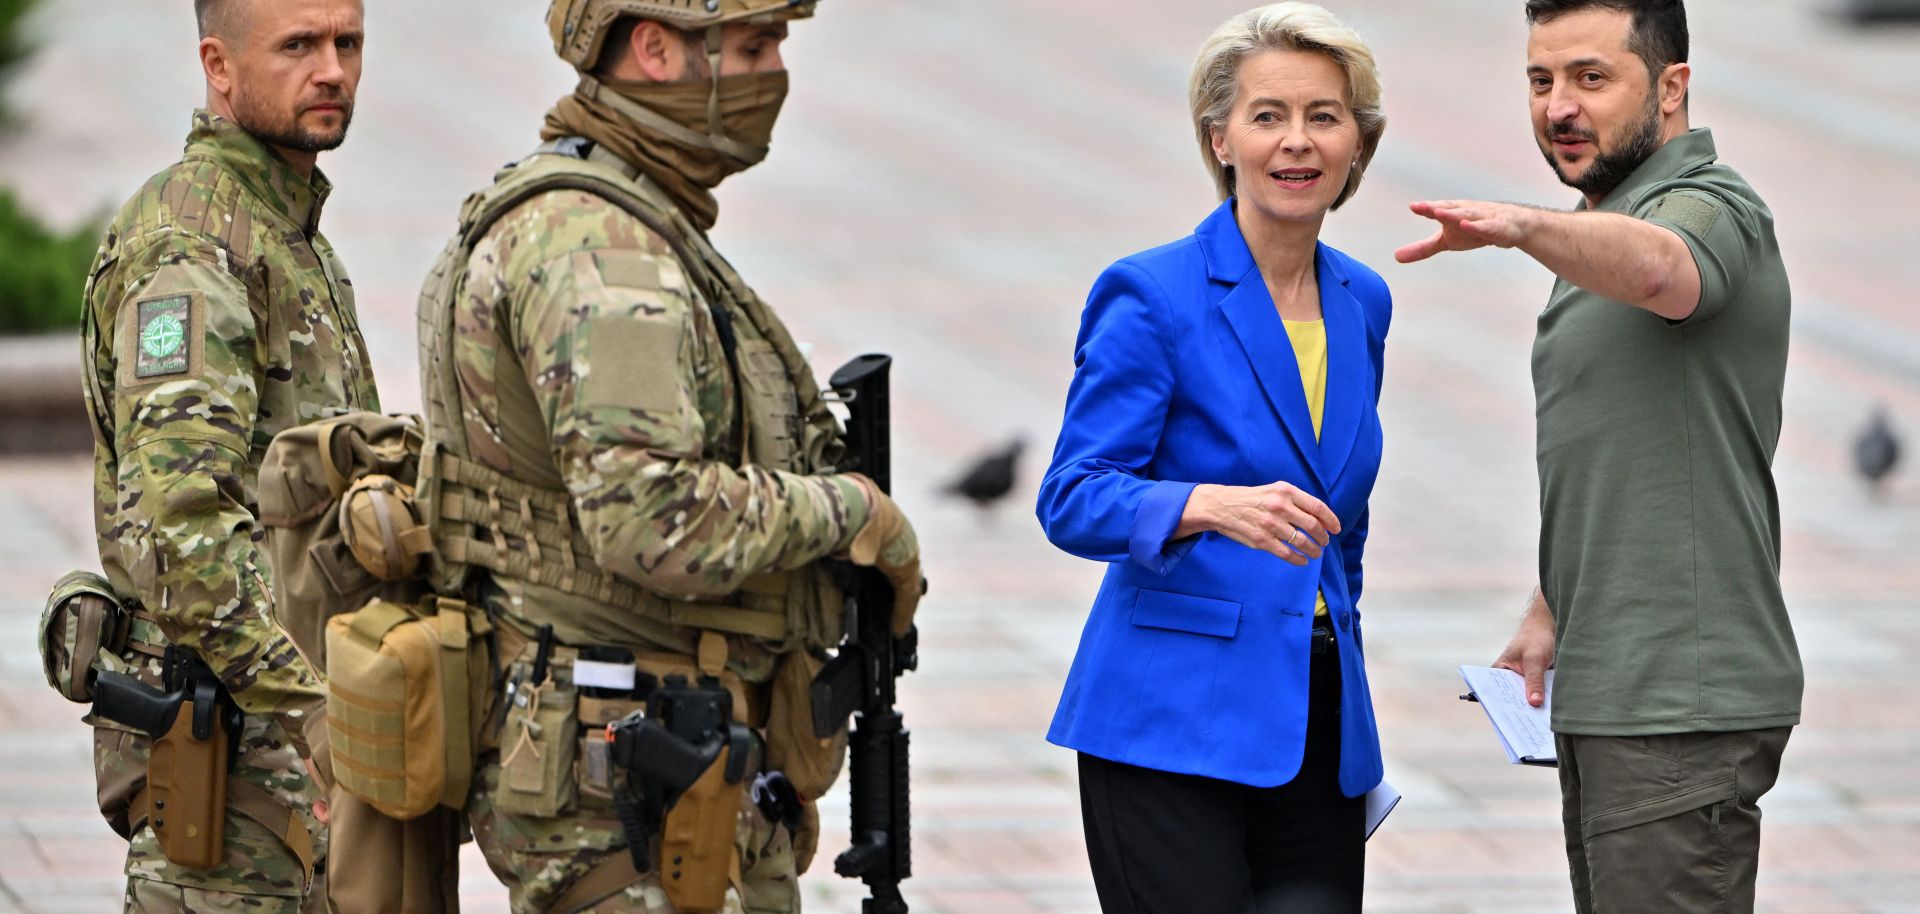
14,46
43,274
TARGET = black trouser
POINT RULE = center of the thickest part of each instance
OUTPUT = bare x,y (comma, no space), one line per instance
1164,843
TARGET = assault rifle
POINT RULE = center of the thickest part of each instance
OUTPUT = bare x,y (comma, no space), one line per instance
860,678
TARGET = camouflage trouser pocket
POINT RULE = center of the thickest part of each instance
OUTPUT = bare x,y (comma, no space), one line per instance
769,871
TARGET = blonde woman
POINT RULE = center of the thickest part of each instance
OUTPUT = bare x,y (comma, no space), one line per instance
1218,450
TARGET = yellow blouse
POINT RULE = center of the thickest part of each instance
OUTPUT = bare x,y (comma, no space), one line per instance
1309,339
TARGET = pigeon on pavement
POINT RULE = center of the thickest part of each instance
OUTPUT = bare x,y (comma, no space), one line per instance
1876,452
991,477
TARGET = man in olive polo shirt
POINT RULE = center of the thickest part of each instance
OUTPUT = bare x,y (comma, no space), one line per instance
1657,369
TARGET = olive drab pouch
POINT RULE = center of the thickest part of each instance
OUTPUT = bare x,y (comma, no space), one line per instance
811,764
405,696
381,529
82,618
540,735
335,500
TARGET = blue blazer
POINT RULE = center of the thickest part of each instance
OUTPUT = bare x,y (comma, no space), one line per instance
1195,655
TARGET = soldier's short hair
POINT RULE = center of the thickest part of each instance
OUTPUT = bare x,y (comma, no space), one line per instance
215,17
619,43
1283,27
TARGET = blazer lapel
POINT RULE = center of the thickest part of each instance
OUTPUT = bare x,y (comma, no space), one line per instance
1251,313
1256,322
1349,378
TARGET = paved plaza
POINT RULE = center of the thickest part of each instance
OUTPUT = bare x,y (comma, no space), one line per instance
946,183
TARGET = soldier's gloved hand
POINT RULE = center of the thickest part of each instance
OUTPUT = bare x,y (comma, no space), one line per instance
887,543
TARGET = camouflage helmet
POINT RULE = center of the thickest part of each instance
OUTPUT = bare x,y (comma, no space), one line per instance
580,27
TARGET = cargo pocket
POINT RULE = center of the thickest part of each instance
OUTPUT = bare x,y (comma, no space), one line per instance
1181,612
768,863
1654,809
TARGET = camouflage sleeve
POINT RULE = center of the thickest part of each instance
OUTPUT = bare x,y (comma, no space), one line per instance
188,369
628,373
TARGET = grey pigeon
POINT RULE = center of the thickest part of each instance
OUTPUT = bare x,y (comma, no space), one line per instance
991,477
1876,452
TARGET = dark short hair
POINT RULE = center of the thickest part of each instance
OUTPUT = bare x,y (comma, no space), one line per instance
1659,35
619,36
619,41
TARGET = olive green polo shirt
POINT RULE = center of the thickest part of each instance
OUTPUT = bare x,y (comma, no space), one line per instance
1659,519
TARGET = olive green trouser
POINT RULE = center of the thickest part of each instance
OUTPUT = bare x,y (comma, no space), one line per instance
1667,823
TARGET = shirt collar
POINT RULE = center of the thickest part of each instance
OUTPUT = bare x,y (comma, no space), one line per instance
1680,155
265,175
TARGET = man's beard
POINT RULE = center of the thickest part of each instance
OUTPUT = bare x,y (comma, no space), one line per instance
286,132
1611,167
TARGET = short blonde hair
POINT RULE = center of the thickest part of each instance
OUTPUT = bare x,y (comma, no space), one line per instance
1287,26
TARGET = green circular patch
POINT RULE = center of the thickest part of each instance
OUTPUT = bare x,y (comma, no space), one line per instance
162,337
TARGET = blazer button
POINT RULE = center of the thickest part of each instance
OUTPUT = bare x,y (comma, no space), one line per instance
1346,621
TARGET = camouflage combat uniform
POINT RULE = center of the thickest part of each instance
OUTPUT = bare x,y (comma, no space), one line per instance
588,361
217,316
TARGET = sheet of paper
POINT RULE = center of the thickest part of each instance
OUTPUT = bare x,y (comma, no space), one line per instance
1380,801
1526,732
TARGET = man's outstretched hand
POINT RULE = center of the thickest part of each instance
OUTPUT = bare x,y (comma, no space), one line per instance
1466,225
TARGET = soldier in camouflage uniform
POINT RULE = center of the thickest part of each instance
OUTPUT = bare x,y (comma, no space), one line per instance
629,446
217,316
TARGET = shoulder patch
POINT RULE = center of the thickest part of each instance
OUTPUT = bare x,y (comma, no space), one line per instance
628,272
1687,211
631,364
165,339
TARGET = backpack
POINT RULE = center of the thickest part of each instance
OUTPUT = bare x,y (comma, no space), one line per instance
332,492
407,671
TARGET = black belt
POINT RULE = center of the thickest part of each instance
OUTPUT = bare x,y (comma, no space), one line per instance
1322,635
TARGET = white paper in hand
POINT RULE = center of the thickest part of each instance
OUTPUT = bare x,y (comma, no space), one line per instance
1526,732
1380,801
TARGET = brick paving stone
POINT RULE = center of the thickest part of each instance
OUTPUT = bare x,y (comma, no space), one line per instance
958,183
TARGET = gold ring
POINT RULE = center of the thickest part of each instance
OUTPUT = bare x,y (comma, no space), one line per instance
1292,536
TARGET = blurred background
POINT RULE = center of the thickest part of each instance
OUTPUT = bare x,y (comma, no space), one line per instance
946,182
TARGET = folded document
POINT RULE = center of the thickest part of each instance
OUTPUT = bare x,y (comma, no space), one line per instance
1380,801
1526,732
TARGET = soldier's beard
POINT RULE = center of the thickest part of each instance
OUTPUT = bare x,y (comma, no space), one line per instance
285,131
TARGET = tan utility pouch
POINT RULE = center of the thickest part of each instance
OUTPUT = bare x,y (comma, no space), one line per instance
82,618
381,528
810,763
187,784
697,844
405,691
541,734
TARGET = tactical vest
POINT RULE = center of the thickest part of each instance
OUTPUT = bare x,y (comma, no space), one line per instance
528,535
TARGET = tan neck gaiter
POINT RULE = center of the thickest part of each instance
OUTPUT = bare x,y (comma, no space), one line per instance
686,137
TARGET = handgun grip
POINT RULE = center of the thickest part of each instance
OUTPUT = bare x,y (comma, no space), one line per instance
129,702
